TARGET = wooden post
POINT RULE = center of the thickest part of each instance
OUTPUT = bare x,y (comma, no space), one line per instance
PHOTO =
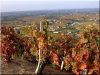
39,63
38,69
62,65
41,26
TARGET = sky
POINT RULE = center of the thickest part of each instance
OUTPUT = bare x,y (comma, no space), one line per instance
30,5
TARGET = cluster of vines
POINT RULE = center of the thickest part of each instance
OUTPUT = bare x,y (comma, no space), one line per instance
78,54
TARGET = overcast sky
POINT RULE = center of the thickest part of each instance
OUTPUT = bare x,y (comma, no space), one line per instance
21,5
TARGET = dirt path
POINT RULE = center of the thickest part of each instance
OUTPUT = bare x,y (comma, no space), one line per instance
20,66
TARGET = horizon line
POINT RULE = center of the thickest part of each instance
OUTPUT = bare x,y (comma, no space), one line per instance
48,10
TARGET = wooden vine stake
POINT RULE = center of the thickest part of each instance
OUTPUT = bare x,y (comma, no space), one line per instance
39,53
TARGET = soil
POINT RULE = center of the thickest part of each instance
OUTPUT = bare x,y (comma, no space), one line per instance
21,66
